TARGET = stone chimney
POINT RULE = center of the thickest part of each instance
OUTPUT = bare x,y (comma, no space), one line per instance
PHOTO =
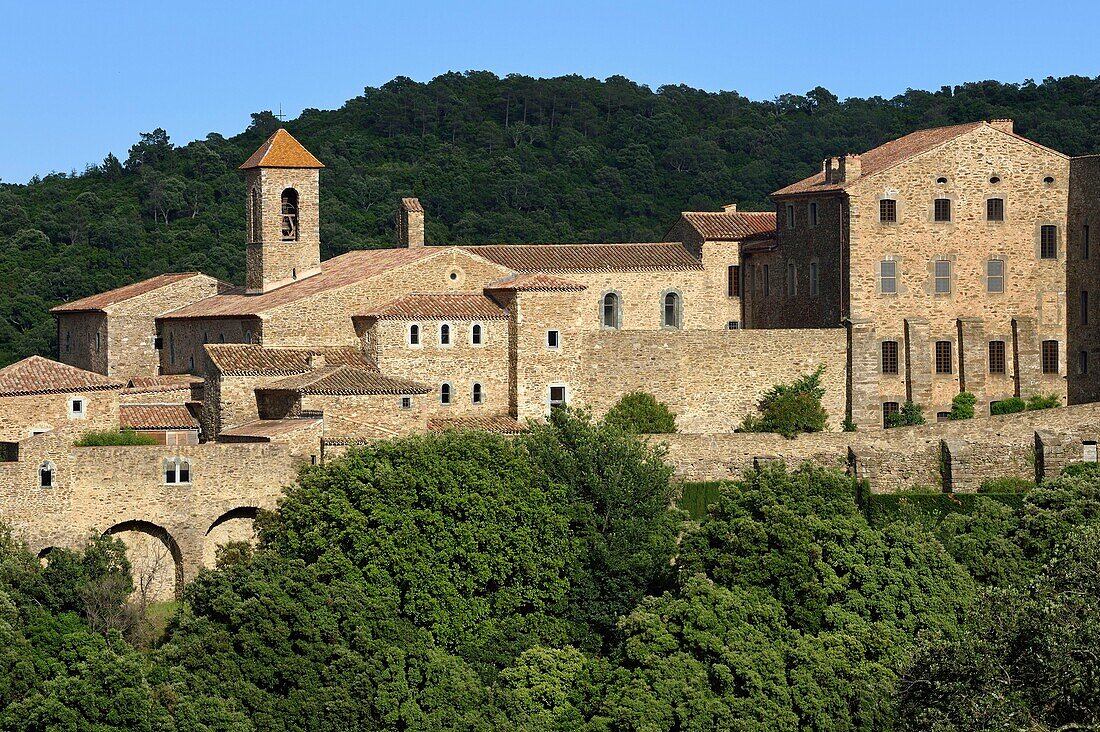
316,360
729,208
827,169
410,223
849,169
1004,125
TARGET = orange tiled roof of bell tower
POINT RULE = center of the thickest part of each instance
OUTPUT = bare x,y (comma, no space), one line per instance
282,151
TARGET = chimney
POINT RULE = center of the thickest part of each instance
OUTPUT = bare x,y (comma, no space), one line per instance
1004,125
316,360
410,223
849,169
831,168
729,208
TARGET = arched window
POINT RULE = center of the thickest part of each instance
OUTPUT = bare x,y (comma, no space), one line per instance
671,310
257,231
476,334
609,311
444,393
45,475
289,203
177,470
445,334
414,334
478,396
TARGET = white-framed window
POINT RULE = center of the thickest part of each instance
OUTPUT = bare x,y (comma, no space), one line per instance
671,310
78,408
406,402
477,334
412,335
177,471
610,312
445,393
445,334
477,394
36,431
553,339
942,276
46,474
888,277
995,275
557,396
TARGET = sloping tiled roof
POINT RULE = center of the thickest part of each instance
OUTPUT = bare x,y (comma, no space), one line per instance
536,282
336,272
37,375
166,382
412,205
885,156
346,381
281,151
242,359
439,307
112,297
500,423
266,429
564,258
731,225
156,417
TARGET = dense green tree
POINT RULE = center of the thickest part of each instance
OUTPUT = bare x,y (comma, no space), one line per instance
641,413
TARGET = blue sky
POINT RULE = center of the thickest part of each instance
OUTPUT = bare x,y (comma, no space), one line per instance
84,78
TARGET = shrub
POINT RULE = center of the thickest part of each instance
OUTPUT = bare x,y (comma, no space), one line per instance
114,439
1041,401
789,409
849,425
910,415
641,413
1008,406
962,406
1006,485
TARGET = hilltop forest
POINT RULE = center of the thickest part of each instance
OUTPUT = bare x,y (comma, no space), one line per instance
512,159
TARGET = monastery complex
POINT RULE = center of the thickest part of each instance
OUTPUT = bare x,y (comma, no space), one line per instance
951,259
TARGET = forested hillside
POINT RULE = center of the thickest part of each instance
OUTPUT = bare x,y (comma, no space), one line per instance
494,160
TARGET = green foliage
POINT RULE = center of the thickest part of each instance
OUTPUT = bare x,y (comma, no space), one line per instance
1008,406
962,406
790,409
1040,401
641,413
909,415
849,425
114,439
696,498
1006,485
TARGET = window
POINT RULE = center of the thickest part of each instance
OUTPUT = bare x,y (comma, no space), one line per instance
1084,307
76,408
445,393
414,334
670,310
889,357
733,280
943,416
1049,180
257,230
1082,362
943,357
68,341
477,336
557,397
406,402
553,339
888,276
158,343
942,209
1088,451
941,181
813,213
609,311
191,364
815,282
1050,357
995,275
767,281
247,339
997,361
790,215
444,334
98,340
1048,242
477,396
177,470
994,180
289,202
995,209
943,276
1085,241
45,475
889,409
888,210
733,325
792,280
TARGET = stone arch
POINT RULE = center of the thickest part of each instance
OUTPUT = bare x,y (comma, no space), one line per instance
155,558
44,555
236,524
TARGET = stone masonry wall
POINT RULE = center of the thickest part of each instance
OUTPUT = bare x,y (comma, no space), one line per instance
1083,276
272,262
78,335
21,415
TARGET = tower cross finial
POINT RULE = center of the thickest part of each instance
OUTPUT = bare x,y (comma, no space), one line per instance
280,115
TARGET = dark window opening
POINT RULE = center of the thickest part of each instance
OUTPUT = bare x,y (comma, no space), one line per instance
1048,242
997,360
444,393
943,357
610,311
1084,307
477,397
733,280
289,203
888,210
1050,357
995,209
557,397
671,314
813,214
45,475
889,409
889,357
942,209
475,334
1082,362
414,335
444,335
553,338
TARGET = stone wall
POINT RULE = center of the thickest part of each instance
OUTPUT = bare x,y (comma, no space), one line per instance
21,415
272,262
183,341
1083,276
82,341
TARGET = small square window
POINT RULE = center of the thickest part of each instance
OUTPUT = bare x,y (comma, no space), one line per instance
889,409
942,209
943,416
888,210
733,325
553,339
995,209
943,357
557,397
1048,242
406,402
76,407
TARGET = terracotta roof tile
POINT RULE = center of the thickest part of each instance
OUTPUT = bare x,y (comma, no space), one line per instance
241,359
281,151
536,282
412,205
156,417
266,429
564,258
346,381
731,225
500,423
439,307
112,297
166,382
336,272
885,156
37,375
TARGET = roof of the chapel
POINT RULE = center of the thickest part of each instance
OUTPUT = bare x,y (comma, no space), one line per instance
281,150
37,375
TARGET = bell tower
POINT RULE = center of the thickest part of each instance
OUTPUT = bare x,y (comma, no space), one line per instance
284,241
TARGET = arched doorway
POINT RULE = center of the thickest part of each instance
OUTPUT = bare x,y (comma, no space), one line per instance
237,524
155,559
